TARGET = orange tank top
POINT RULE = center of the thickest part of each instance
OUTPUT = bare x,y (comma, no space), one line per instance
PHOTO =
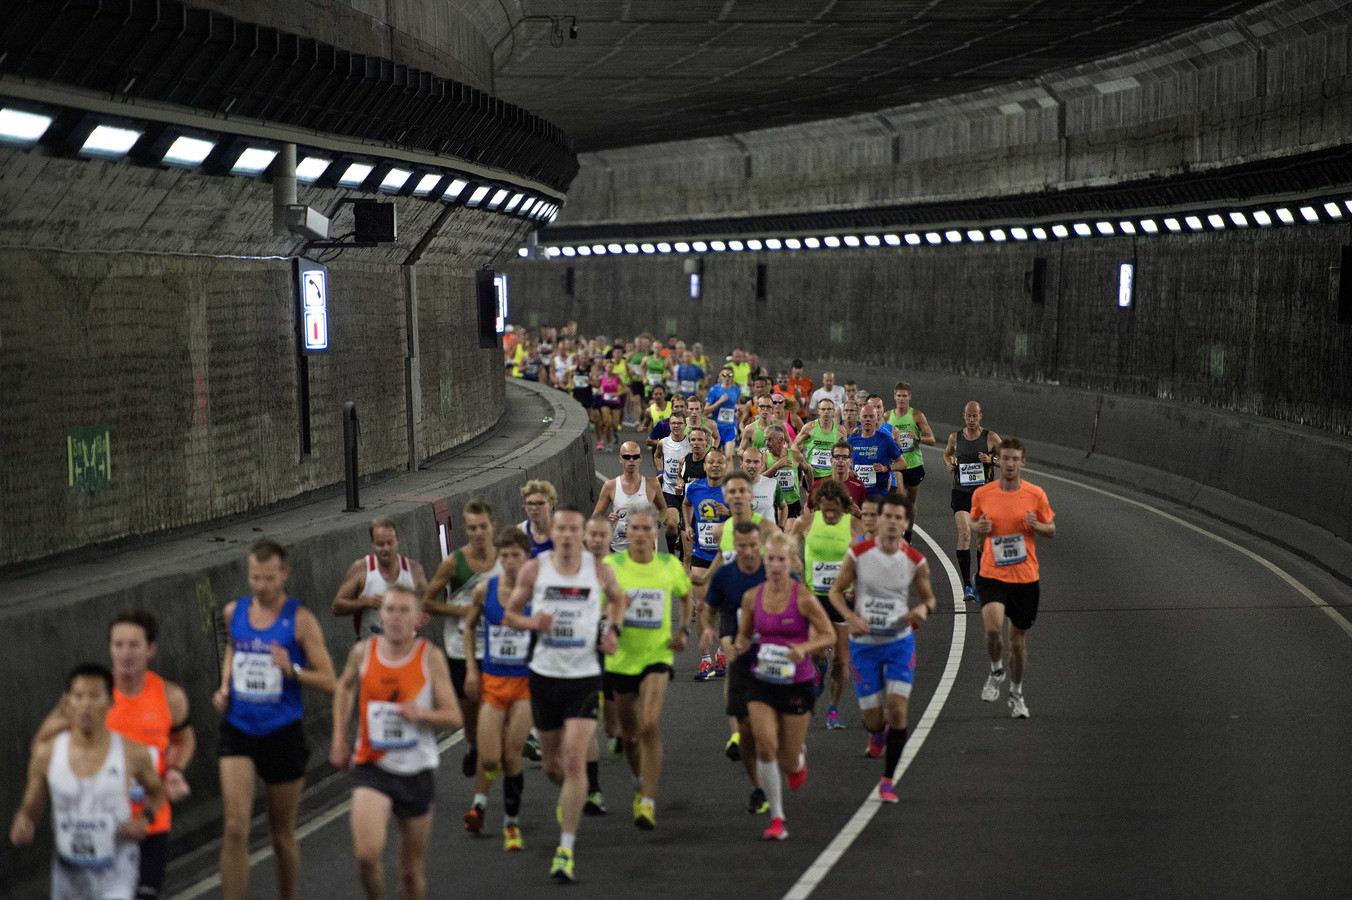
383,737
146,719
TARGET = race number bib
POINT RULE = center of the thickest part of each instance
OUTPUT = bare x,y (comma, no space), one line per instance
787,481
254,678
622,526
906,440
86,841
824,575
1009,549
654,379
581,381
609,397
866,474
773,664
704,533
507,646
726,415
687,387
820,458
647,608
885,616
386,729
971,474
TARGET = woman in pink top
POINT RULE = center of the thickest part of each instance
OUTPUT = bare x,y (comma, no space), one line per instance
611,403
781,625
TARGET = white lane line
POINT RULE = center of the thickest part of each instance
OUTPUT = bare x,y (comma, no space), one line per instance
304,831
1272,567
820,868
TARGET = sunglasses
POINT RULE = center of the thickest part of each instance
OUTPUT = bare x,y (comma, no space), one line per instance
631,456
777,402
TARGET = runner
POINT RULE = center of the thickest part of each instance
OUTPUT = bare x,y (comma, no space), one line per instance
849,418
786,415
913,429
564,588
504,690
886,574
610,406
819,436
670,453
828,391
275,646
460,573
656,371
692,470
721,406
741,369
620,493
800,384
727,586
636,367
151,711
766,500
970,456
827,534
641,667
1008,515
584,381
83,774
596,539
753,434
702,510
402,692
789,625
697,416
538,498
868,518
698,358
852,390
786,462
368,578
875,455
656,412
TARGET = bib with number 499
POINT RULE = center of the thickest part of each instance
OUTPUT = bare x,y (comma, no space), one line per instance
1009,549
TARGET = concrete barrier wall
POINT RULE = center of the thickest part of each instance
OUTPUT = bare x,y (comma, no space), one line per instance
61,617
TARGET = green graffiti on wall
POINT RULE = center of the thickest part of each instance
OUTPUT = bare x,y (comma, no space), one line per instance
89,458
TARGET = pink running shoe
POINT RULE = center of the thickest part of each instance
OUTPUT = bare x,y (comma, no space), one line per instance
885,792
796,779
877,743
776,831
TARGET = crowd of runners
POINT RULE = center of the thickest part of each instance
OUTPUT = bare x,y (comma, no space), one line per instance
775,533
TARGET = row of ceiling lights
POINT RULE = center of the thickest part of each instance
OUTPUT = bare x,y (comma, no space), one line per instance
1310,212
96,137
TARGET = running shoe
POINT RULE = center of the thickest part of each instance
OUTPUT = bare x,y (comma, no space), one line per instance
493,774
885,792
511,838
819,676
991,692
600,445
796,779
616,748
474,820
720,665
833,718
1017,708
531,749
733,748
756,803
470,761
595,805
877,743
645,817
969,594
776,831
706,669
562,870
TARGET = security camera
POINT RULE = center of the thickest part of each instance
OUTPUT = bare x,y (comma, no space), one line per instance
307,223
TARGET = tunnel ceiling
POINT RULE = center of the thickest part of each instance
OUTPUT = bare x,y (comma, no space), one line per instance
645,71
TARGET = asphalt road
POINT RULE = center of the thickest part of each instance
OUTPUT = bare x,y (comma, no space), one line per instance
1189,733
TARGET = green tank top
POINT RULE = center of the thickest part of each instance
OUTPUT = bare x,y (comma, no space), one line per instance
741,372
818,449
824,551
758,436
787,478
904,425
659,414
652,587
729,529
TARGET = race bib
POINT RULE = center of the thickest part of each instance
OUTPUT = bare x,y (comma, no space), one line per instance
581,381
705,534
824,575
773,664
622,525
866,474
609,397
726,415
563,634
820,458
971,474
885,616
1009,549
787,481
86,841
687,387
507,646
654,379
386,729
907,441
254,679
647,608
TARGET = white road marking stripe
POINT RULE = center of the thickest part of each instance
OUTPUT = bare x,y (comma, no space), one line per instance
819,869
304,831
1272,567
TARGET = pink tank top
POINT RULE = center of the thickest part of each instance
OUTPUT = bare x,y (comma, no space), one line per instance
781,629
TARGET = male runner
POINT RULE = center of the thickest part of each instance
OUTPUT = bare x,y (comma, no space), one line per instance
786,462
886,573
402,692
741,369
766,499
86,775
1008,515
670,453
620,493
275,646
970,456
461,572
153,712
721,406
565,588
688,375
912,429
800,384
703,509
692,470
875,455
828,391
753,434
642,665
842,470
819,436
368,578
538,498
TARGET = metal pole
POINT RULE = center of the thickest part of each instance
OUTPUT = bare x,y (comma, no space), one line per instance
350,431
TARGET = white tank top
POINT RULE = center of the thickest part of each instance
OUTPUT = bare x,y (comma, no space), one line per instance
621,504
673,451
568,649
90,860
376,585
763,497
882,590
453,629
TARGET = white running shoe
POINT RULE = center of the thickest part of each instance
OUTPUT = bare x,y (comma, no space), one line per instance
991,692
1017,708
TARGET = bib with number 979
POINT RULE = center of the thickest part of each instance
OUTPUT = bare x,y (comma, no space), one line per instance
647,608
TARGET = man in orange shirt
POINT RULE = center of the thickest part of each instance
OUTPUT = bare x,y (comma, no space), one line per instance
800,383
1009,514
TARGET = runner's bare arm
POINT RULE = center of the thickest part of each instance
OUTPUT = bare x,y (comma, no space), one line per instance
142,768
347,602
220,699
432,602
35,797
182,742
951,452
926,433
344,698
318,674
607,497
476,612
525,586
415,569
921,587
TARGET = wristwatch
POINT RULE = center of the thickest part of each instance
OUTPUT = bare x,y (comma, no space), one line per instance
296,670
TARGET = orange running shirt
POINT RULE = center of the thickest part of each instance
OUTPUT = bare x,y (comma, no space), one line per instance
1010,550
145,719
384,738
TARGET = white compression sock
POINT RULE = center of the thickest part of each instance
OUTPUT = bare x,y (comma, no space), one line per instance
768,772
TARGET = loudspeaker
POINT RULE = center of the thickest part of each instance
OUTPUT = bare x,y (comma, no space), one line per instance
1345,288
374,222
760,281
569,278
487,297
1035,280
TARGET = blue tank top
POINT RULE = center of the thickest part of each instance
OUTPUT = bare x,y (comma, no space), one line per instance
505,649
703,497
536,547
262,700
